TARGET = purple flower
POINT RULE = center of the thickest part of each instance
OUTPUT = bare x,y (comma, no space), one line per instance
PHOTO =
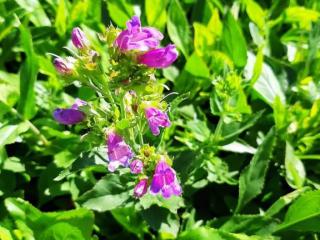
70,115
159,58
79,39
136,166
141,188
64,66
165,181
156,119
136,37
119,153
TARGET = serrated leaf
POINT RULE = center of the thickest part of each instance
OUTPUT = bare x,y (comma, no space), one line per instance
252,178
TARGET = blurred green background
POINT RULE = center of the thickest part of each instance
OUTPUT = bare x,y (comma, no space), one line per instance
245,137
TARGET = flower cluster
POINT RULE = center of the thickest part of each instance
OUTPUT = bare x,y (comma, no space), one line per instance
129,101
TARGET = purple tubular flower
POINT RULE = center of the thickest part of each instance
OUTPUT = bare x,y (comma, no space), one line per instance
119,153
136,166
159,58
156,119
64,66
138,38
141,188
79,39
165,181
69,116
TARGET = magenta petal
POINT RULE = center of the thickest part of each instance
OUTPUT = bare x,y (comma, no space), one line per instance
119,153
141,188
78,38
156,119
113,140
68,116
157,183
159,58
176,188
134,24
161,167
138,38
169,176
64,66
166,191
136,166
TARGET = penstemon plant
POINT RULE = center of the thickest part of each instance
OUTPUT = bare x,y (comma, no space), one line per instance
129,102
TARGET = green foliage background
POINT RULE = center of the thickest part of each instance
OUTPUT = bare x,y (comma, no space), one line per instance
245,134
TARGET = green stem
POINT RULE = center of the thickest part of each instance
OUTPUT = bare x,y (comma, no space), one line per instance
33,128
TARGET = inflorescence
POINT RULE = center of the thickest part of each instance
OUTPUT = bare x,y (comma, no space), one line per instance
125,84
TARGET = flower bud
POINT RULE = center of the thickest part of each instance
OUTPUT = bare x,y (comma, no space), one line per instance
79,39
64,66
136,166
141,188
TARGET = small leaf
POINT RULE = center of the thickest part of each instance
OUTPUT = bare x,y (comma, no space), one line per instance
295,172
255,13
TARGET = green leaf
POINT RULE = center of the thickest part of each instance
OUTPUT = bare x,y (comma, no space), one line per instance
109,193
234,41
9,84
9,133
178,27
255,13
156,16
61,18
40,224
205,233
131,220
267,85
28,75
278,7
252,178
5,234
60,231
283,201
301,15
36,12
295,172
120,11
163,221
250,224
304,214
